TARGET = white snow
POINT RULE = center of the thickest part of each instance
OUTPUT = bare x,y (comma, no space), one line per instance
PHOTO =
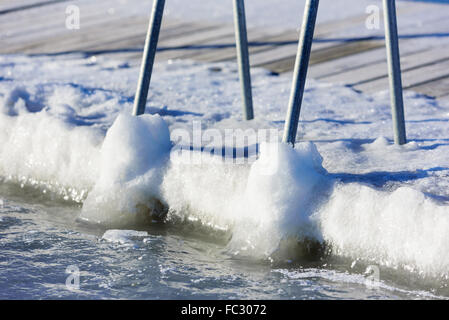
40,150
64,126
277,204
133,154
262,203
400,228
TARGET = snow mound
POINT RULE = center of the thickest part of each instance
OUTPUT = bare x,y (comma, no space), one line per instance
133,155
262,205
277,204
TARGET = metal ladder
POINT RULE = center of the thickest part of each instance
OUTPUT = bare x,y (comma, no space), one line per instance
302,63
150,53
300,69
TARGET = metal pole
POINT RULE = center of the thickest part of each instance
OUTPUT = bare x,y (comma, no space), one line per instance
300,71
243,59
394,71
149,53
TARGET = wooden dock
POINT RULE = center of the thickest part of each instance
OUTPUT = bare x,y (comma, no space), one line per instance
356,61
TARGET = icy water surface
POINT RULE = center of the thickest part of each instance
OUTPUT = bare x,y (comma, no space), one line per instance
40,239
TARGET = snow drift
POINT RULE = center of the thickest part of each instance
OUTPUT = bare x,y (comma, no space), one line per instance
261,207
365,198
403,228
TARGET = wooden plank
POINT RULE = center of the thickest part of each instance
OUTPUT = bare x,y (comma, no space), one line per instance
341,50
379,70
18,23
194,42
285,36
273,52
7,7
136,39
229,52
228,35
208,33
21,21
351,26
52,24
333,59
355,61
281,59
326,54
410,78
94,35
408,45
11,4
56,40
436,88
214,49
444,99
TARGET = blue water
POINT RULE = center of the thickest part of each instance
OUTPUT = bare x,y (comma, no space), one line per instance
40,238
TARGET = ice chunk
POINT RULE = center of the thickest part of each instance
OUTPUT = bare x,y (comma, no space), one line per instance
123,236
